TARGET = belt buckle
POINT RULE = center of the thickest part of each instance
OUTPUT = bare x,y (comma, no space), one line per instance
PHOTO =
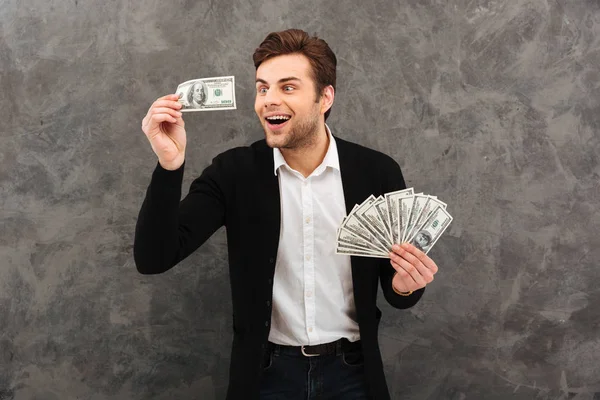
306,354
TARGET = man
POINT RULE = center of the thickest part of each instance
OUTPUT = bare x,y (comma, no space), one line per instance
305,319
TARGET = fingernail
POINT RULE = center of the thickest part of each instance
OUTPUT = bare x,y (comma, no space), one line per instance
395,247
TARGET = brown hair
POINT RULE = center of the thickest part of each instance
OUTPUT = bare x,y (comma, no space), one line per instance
296,41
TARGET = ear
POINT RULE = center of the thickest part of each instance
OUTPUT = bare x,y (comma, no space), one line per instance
327,97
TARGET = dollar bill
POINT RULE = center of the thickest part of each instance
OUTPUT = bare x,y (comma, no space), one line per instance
404,209
348,247
356,239
419,201
370,219
207,94
353,225
350,252
350,241
351,212
392,199
382,209
430,206
431,230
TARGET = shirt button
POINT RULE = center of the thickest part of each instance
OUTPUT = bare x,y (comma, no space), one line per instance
266,323
307,258
270,281
268,303
308,220
310,329
308,294
271,260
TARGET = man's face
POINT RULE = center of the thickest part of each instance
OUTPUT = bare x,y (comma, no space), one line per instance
286,102
197,92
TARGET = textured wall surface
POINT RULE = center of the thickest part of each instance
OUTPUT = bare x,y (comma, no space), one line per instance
494,106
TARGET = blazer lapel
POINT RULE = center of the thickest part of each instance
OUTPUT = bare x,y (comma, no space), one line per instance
350,171
355,192
268,189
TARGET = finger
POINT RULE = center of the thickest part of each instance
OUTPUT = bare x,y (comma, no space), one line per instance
418,277
162,102
158,118
167,103
416,256
165,110
180,122
405,277
169,97
414,261
425,272
424,258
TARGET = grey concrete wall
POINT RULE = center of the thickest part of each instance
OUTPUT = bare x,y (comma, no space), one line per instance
494,106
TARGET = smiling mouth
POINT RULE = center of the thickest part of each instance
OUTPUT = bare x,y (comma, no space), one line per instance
278,120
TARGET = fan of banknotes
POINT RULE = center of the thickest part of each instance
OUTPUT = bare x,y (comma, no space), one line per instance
374,226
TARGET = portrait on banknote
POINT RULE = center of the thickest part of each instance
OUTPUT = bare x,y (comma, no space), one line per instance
422,240
195,96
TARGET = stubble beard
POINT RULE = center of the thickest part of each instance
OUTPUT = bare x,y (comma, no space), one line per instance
302,135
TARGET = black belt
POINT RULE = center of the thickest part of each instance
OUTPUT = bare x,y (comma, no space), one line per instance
342,345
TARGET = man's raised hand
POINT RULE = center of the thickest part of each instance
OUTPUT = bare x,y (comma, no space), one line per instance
165,129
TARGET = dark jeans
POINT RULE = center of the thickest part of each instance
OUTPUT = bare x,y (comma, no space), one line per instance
289,375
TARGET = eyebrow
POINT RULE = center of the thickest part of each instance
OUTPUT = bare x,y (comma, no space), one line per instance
282,80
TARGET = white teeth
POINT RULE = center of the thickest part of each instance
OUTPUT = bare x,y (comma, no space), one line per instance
283,117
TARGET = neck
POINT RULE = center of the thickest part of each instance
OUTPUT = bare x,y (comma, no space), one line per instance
307,158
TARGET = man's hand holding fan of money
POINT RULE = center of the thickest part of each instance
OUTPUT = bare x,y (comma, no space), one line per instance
414,269
402,226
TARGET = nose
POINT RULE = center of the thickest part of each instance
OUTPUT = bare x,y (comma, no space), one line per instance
271,98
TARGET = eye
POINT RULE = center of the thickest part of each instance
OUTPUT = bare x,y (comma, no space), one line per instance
262,90
288,88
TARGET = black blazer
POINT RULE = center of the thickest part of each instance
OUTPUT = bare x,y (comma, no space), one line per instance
240,190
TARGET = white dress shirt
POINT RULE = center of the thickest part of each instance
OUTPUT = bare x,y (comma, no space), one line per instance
313,296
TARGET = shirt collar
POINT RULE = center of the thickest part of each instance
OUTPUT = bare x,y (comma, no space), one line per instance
331,158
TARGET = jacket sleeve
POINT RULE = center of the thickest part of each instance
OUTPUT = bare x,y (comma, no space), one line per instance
394,181
168,230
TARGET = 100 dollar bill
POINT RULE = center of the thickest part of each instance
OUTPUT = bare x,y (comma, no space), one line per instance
431,230
207,94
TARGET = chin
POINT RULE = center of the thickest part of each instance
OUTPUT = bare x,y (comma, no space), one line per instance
274,141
